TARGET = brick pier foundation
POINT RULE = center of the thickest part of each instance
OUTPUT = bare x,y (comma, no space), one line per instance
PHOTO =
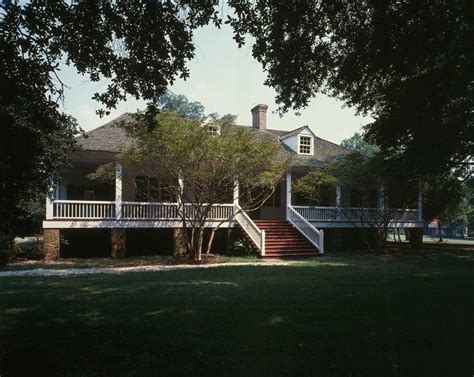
119,239
51,242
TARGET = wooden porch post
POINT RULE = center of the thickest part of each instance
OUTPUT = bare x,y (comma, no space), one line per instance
118,190
381,203
236,193
420,201
50,203
179,199
288,192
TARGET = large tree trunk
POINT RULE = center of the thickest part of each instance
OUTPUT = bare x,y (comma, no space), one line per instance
198,244
365,239
380,237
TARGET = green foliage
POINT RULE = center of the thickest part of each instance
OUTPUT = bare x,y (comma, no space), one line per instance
362,177
182,147
313,184
138,47
5,248
241,247
179,104
445,199
227,119
103,174
208,163
357,143
409,64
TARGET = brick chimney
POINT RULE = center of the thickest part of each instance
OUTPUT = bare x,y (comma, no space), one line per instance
259,117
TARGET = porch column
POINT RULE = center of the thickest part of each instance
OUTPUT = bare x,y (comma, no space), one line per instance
420,201
338,202
236,193
381,202
118,190
50,203
179,198
288,191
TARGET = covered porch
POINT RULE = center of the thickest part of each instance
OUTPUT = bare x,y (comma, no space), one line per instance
79,202
338,208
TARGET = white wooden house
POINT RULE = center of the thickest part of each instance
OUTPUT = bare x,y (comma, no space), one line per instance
285,226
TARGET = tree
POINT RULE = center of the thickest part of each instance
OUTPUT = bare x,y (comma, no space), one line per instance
139,47
313,185
409,64
357,143
445,201
181,105
202,167
377,190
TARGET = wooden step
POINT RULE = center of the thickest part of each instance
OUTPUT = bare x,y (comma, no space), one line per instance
282,240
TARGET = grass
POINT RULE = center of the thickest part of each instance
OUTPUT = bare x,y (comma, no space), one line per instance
400,314
152,260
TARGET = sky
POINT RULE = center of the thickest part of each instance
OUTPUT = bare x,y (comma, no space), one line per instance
225,79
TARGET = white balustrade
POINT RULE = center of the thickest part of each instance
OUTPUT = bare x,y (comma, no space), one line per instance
315,236
78,209
149,211
85,209
317,213
256,234
216,212
354,214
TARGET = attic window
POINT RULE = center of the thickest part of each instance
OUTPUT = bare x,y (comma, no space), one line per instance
305,145
213,130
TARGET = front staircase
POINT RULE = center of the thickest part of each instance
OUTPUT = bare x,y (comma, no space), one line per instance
284,240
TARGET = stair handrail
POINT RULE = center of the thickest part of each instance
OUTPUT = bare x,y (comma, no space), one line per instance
256,234
315,236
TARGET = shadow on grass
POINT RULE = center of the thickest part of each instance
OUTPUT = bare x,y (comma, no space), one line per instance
355,315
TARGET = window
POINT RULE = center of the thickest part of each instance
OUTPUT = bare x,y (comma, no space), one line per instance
75,192
213,130
151,189
89,192
305,144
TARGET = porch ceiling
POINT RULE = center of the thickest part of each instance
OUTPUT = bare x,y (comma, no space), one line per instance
91,158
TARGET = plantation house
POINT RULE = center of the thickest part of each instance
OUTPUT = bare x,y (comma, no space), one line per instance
118,219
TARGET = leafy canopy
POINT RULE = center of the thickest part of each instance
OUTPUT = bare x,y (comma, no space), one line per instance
409,64
208,163
357,143
179,104
137,47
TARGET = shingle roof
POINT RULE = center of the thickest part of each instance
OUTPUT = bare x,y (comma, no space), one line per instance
110,136
293,132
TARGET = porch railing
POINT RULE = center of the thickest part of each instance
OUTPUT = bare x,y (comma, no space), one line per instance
315,236
216,212
79,209
149,211
256,234
353,214
107,210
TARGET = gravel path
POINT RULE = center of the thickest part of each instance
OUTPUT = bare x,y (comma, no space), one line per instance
121,270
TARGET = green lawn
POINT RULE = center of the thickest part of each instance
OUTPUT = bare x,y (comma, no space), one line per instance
344,315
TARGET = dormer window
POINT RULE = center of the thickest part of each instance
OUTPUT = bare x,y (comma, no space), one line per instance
213,130
300,140
305,144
